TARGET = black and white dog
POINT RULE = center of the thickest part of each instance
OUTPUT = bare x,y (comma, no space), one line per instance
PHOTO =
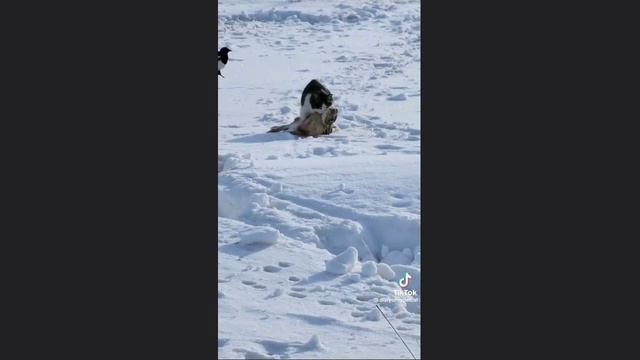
315,98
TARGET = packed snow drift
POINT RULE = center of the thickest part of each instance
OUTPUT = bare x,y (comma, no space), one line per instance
313,233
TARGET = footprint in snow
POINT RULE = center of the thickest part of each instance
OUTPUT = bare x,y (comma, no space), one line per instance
284,264
319,288
285,349
398,195
367,297
272,268
324,150
326,302
389,147
297,295
350,301
294,278
401,204
248,282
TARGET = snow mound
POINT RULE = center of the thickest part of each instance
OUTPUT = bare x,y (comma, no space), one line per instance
335,237
369,268
395,231
416,257
312,345
237,198
343,262
234,161
259,235
386,272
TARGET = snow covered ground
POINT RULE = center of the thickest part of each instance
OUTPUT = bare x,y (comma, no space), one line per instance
314,232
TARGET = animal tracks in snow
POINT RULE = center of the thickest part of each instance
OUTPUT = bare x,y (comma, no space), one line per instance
272,268
326,302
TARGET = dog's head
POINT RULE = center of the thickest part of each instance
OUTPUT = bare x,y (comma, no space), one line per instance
326,97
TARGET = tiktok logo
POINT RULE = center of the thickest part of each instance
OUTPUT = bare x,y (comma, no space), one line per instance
404,282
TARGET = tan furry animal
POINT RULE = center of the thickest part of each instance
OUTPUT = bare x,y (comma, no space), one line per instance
314,124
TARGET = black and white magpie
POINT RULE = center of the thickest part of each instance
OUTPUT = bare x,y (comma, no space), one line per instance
223,57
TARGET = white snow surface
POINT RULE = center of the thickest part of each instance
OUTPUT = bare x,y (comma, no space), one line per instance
369,268
292,208
343,262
